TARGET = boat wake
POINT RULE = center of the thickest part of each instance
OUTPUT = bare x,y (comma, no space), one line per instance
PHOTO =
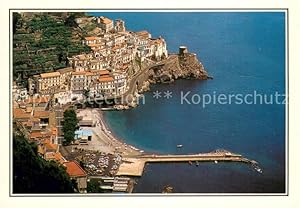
257,168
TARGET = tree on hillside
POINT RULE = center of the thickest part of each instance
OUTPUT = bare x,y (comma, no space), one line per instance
71,21
33,174
69,126
93,186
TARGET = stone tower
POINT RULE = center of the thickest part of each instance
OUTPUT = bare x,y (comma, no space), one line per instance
183,50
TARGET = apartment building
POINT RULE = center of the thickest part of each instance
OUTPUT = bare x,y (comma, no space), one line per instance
105,24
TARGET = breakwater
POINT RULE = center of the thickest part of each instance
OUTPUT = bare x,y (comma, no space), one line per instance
134,166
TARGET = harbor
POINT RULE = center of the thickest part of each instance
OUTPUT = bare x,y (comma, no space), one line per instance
134,166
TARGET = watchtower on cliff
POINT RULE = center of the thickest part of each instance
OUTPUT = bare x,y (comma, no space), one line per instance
183,50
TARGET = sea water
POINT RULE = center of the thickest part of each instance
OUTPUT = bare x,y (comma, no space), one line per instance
245,53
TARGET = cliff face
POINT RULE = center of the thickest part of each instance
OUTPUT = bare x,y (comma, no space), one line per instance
185,66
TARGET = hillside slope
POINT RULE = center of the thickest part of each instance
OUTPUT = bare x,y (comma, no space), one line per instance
43,41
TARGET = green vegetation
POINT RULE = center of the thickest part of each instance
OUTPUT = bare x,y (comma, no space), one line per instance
93,186
43,41
33,174
69,126
88,28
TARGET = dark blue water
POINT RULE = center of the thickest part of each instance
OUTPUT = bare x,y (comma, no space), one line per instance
244,52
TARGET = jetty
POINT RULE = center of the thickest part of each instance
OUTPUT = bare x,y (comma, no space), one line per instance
134,166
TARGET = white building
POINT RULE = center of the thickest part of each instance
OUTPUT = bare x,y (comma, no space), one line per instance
19,92
120,80
120,25
48,82
105,23
78,81
158,48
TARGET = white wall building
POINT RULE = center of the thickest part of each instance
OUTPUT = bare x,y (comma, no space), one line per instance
105,23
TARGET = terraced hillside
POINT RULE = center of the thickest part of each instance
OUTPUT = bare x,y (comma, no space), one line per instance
43,41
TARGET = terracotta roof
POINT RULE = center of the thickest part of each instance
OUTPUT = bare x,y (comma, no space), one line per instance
74,169
35,120
50,74
156,41
89,73
58,156
55,156
143,33
65,70
106,79
41,114
19,114
51,147
91,38
105,20
96,44
46,141
103,72
79,73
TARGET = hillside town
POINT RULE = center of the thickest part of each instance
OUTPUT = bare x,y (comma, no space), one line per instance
120,64
106,70
116,55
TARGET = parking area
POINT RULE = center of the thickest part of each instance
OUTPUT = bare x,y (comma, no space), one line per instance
96,163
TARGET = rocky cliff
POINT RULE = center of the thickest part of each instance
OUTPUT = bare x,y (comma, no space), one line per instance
182,65
185,66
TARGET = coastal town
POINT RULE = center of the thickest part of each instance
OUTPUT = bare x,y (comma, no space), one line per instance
121,64
105,72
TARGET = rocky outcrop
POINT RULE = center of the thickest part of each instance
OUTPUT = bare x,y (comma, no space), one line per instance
145,87
185,66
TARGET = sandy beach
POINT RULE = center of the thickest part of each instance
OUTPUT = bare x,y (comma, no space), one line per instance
103,139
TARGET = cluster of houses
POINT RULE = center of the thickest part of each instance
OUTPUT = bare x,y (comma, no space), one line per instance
39,125
104,71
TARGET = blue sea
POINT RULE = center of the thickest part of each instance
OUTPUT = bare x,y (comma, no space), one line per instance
245,53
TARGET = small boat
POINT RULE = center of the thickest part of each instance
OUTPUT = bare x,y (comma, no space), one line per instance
197,163
216,161
258,170
190,162
179,145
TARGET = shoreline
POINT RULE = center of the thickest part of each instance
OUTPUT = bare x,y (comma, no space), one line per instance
109,133
106,140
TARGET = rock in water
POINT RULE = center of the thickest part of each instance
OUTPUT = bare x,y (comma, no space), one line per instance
168,189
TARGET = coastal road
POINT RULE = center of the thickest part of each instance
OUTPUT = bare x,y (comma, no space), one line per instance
136,77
